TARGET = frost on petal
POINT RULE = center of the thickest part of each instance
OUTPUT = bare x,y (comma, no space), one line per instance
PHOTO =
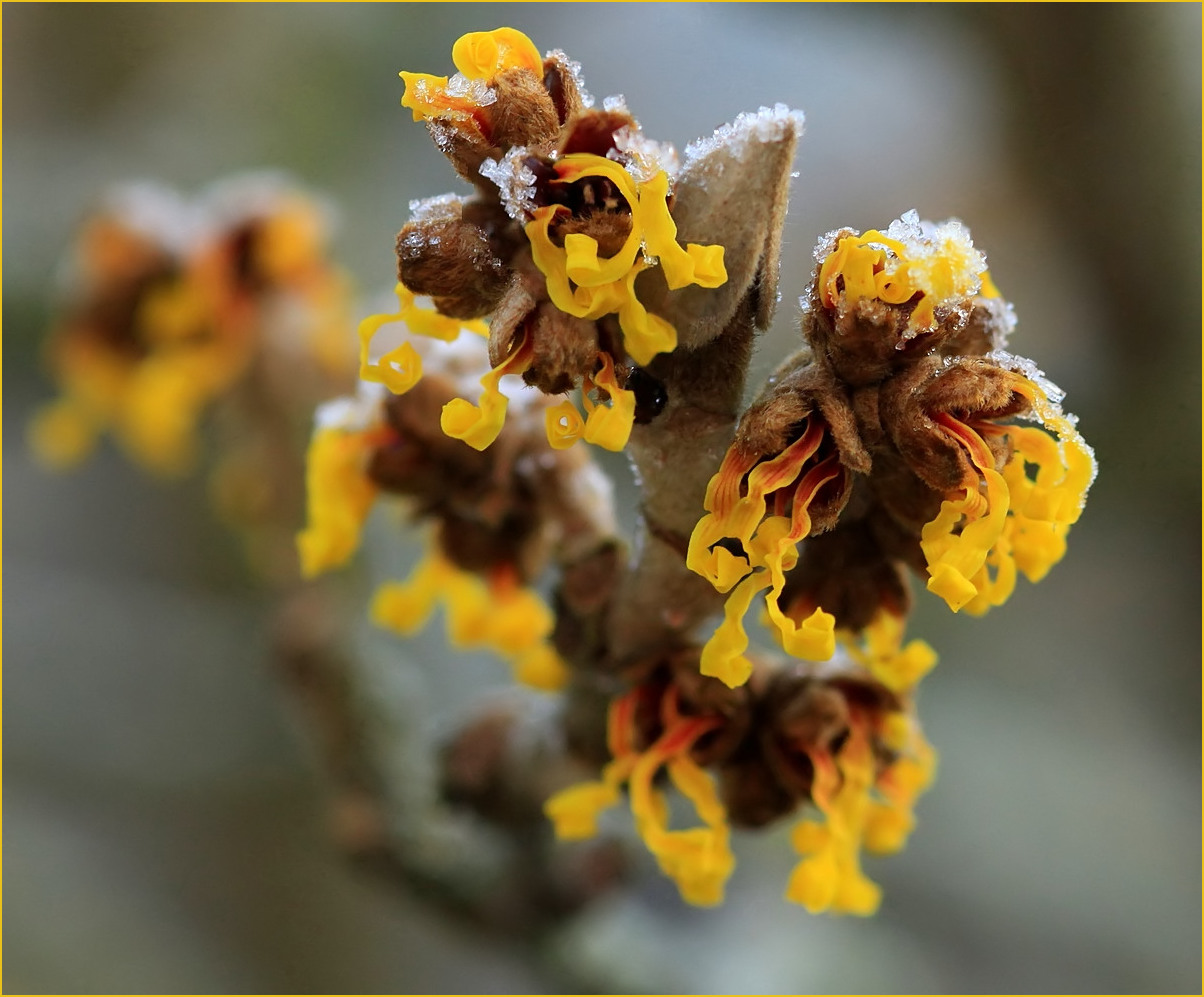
477,92
1022,365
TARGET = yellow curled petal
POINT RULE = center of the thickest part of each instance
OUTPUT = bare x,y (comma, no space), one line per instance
660,231
404,607
563,424
693,264
854,261
476,425
426,95
882,652
163,404
644,334
401,368
814,639
857,895
814,882
610,426
398,370
709,268
520,620
584,267
698,860
550,260
887,829
955,560
706,556
951,585
470,611
481,55
574,811
809,836
723,655
950,573
582,284
479,425
697,786
428,322
340,495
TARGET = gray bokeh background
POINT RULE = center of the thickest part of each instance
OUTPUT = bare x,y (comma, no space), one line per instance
164,828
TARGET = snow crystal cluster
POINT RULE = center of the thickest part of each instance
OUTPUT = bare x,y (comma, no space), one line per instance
426,208
574,68
645,157
766,125
514,181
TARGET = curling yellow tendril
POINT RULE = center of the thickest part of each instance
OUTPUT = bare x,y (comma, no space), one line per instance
956,557
767,549
340,496
699,860
606,426
479,425
879,648
859,811
401,368
478,55
1026,519
583,284
499,614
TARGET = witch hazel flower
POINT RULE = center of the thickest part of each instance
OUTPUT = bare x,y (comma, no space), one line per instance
902,437
570,208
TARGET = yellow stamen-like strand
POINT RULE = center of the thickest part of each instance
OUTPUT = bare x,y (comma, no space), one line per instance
507,618
401,368
769,548
479,425
478,55
583,284
860,811
879,648
340,496
699,859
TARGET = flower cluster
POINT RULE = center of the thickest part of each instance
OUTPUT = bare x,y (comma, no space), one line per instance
837,740
895,434
497,516
572,205
172,304
901,438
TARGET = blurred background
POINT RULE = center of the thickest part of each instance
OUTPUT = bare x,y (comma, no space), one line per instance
165,828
